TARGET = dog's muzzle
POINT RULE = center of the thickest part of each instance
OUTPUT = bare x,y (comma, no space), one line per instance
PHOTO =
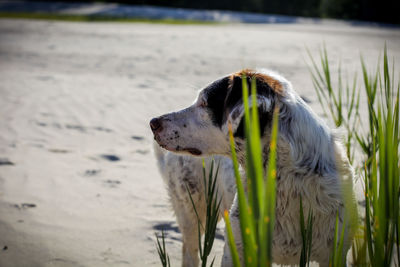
156,127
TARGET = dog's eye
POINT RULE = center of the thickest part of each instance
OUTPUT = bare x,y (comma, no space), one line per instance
203,103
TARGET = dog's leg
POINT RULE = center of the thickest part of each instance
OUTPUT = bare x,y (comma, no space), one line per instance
183,174
188,223
190,248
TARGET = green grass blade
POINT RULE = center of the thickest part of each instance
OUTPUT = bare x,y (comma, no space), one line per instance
333,261
231,241
162,252
270,188
246,224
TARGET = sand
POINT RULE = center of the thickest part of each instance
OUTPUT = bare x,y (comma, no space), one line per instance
78,181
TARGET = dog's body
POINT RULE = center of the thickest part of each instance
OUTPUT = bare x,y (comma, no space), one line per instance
311,163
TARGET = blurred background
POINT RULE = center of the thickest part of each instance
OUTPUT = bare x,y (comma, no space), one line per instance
385,11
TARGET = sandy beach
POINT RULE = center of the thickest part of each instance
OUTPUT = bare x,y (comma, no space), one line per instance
79,184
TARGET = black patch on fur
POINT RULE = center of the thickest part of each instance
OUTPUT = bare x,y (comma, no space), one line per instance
221,99
265,119
240,130
235,95
216,94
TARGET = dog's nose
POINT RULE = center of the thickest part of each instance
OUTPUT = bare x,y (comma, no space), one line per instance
155,125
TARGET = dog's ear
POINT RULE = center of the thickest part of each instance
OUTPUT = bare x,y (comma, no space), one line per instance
216,94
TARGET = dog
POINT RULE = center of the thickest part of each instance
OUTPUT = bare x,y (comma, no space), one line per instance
311,162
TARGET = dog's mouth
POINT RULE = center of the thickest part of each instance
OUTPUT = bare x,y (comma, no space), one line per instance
193,151
190,150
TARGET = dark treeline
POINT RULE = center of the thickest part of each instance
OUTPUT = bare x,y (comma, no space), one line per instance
387,11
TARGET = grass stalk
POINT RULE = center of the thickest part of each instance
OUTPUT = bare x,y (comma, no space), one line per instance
306,236
162,251
379,144
257,205
213,204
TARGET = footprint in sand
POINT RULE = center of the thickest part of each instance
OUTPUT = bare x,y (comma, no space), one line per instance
58,150
142,151
112,183
137,137
166,226
103,129
110,157
92,172
24,206
5,161
75,127
171,227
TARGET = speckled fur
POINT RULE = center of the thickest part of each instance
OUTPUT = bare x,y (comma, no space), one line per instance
311,163
179,171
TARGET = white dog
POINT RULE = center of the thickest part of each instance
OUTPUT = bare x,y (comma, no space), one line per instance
311,163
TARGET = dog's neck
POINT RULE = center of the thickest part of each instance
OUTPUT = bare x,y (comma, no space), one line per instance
310,139
284,158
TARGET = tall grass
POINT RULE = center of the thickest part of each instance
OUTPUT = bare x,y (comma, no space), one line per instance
341,103
212,214
257,208
377,241
162,251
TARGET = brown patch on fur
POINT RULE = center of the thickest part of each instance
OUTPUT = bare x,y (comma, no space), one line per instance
272,82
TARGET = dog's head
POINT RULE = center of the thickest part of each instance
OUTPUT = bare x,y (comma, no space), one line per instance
202,128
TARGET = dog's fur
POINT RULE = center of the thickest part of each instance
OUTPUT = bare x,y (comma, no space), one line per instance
311,163
181,173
